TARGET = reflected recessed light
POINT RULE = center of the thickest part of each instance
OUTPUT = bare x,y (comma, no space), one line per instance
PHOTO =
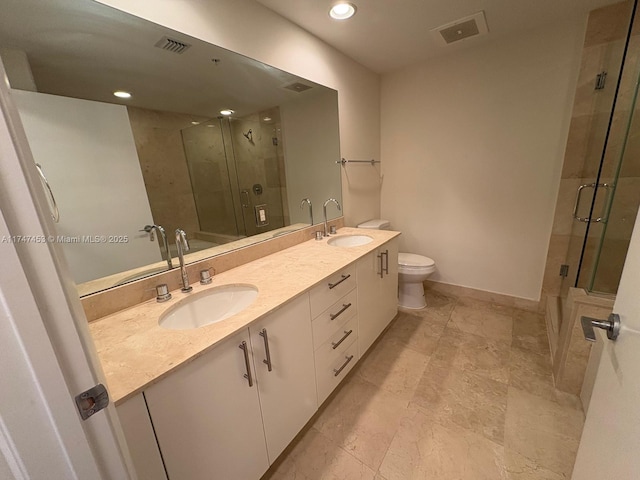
267,119
342,11
195,123
122,94
227,112
211,126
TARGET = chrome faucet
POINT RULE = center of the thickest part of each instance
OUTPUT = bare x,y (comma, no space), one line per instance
161,233
324,209
306,200
183,246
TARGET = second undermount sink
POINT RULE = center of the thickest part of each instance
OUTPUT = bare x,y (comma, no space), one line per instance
209,306
349,240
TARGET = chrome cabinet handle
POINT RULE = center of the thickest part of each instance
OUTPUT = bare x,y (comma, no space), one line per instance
335,345
579,195
333,285
336,372
245,192
386,261
345,306
265,337
247,364
384,265
55,213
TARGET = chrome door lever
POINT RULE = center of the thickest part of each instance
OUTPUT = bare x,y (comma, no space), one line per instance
611,325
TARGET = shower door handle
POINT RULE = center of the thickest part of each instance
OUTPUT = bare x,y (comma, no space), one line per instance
245,192
579,195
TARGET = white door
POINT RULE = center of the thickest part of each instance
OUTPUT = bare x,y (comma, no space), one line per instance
608,448
44,325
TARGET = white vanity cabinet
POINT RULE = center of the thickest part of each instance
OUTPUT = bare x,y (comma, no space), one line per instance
334,309
285,372
231,412
138,431
207,418
377,292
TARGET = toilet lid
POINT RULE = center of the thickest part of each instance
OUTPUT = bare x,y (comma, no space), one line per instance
411,260
375,224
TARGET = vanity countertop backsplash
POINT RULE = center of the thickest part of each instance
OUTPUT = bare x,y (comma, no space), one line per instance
135,351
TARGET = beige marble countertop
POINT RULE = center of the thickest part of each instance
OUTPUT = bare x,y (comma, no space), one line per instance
135,352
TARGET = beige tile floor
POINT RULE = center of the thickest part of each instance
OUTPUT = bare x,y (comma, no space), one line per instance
460,390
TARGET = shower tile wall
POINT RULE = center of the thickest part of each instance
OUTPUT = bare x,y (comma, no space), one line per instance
211,177
164,167
260,160
603,46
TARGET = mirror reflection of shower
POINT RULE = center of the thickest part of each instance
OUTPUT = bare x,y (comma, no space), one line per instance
227,157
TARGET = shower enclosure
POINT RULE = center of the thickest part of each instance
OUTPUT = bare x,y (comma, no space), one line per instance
600,188
236,167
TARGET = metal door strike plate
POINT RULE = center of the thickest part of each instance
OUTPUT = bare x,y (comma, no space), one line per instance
92,401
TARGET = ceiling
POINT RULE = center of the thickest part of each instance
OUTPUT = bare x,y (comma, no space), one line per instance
386,35
83,49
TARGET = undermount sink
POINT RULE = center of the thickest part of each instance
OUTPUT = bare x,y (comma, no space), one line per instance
207,307
349,240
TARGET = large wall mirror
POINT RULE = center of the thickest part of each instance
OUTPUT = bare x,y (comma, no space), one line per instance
211,142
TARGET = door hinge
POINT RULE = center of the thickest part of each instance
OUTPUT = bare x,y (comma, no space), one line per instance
601,79
564,270
92,401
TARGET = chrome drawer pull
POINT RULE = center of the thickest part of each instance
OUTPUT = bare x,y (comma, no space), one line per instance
344,277
337,344
267,361
247,364
337,372
333,316
386,257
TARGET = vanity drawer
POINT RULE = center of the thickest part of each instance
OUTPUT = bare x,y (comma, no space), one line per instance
325,324
331,289
342,336
332,370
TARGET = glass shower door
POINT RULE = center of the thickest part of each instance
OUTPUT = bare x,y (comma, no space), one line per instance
599,111
622,208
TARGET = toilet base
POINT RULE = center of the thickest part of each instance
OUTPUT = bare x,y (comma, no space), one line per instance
411,295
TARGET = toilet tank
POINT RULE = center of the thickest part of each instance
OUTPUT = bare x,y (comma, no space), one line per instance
376,224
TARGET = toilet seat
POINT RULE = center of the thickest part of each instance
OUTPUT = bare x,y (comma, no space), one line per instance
412,261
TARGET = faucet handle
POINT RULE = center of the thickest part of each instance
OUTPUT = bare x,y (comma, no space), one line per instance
148,229
205,276
162,293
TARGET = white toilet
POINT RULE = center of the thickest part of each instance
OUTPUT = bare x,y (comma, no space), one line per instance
413,270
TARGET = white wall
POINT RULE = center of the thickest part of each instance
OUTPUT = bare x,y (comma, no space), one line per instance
89,156
472,149
247,27
310,155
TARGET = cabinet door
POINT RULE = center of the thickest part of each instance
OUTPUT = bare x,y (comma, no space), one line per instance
377,293
138,431
287,391
388,286
207,417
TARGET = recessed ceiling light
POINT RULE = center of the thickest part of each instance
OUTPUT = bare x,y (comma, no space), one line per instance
226,112
122,94
342,11
195,123
266,119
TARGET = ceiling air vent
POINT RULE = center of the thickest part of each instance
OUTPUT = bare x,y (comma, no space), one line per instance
297,87
466,27
172,45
